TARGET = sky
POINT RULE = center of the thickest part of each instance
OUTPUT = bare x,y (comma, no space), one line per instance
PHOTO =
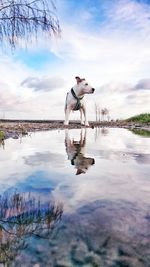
106,42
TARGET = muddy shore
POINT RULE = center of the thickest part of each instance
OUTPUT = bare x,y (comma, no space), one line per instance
13,128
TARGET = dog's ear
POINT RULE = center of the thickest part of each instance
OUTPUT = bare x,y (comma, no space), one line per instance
78,79
79,171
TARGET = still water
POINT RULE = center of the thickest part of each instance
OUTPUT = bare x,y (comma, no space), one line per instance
75,198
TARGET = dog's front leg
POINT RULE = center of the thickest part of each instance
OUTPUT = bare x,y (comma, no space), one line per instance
81,116
84,112
67,113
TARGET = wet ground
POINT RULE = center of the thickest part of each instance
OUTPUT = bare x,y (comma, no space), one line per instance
13,128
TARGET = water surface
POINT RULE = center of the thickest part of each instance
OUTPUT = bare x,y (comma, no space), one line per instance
76,198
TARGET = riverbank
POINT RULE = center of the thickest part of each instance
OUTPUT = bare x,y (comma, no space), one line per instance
15,128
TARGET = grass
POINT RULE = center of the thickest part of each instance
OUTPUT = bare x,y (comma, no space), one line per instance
2,135
141,118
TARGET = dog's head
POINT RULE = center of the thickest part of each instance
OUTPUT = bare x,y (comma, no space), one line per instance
82,164
84,86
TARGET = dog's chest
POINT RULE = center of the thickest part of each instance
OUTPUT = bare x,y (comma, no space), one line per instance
76,104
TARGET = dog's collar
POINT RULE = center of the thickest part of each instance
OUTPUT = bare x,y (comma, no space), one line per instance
78,104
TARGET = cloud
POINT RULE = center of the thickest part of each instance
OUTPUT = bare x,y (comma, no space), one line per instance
8,99
125,88
114,49
143,84
141,99
46,157
43,84
115,87
107,42
122,100
129,15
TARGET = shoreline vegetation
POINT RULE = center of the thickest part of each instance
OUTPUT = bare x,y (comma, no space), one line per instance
15,128
141,118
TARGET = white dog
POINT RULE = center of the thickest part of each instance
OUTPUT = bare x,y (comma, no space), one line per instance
76,150
74,100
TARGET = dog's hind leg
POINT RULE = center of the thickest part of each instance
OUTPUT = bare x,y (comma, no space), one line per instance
67,112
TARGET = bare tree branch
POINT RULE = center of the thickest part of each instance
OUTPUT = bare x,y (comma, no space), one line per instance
23,19
23,216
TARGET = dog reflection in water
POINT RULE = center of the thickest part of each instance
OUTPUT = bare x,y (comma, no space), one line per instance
76,150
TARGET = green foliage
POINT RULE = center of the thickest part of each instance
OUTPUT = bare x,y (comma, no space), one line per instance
2,135
141,118
142,132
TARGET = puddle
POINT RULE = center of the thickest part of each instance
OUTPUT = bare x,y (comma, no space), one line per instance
75,198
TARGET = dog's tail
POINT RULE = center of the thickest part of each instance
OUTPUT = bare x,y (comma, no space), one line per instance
66,101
